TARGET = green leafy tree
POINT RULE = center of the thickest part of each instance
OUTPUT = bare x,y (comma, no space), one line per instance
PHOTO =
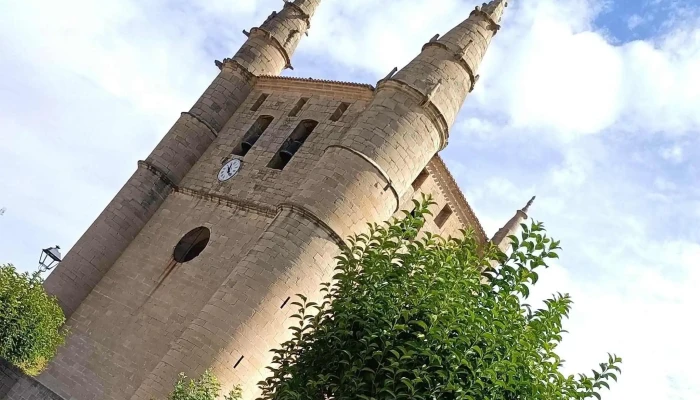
30,321
411,317
206,387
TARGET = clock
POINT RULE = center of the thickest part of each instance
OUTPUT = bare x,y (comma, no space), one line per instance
229,170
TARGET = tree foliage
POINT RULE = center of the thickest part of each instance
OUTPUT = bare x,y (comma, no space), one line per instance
30,321
411,317
206,387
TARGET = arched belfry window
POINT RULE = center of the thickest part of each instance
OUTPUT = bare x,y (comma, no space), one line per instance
293,144
254,132
191,245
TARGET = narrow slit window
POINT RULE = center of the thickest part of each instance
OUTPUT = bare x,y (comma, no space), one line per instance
259,102
293,144
238,362
420,180
297,107
251,137
443,216
339,111
285,302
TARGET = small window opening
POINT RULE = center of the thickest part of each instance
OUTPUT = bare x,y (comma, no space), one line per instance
238,362
297,107
339,111
191,245
259,102
420,180
293,144
443,216
285,302
254,132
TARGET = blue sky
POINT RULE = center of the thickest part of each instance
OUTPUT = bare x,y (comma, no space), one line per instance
592,105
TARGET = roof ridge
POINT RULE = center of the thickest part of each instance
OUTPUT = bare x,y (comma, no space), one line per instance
294,78
459,197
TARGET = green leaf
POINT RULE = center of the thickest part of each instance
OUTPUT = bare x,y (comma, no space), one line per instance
414,316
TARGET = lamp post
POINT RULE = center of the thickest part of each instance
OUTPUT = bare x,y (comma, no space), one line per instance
49,258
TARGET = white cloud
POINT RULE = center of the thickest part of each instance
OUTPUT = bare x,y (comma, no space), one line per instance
673,153
551,71
644,318
634,21
561,111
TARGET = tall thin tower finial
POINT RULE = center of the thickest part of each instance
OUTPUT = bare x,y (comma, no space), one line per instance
500,239
528,205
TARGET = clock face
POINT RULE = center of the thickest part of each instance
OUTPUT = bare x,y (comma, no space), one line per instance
229,170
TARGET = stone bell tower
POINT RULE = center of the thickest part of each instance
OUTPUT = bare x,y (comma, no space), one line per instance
245,203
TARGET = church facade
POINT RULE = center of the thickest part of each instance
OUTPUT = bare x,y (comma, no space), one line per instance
244,204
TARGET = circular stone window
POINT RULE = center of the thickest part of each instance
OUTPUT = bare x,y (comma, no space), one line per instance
191,245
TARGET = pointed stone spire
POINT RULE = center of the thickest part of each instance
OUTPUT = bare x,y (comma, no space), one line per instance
512,227
270,46
495,9
446,70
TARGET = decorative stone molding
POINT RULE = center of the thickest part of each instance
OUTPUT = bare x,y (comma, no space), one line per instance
431,93
389,75
291,35
270,17
275,43
380,170
236,66
244,205
492,25
303,14
157,172
431,110
459,57
203,122
446,182
307,214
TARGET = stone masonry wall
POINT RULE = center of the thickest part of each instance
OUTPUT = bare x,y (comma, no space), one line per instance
15,385
126,324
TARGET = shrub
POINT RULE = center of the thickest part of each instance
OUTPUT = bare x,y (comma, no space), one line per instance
431,318
206,387
30,321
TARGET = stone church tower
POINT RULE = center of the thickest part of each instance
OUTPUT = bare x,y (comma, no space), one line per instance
244,203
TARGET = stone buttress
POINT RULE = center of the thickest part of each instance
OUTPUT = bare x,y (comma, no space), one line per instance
361,180
266,52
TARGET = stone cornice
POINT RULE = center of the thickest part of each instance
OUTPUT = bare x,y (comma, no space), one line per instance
303,14
228,201
230,63
275,43
424,99
378,168
201,121
306,213
493,25
156,171
329,88
459,57
437,168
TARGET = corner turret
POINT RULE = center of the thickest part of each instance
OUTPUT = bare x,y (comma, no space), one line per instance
270,46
